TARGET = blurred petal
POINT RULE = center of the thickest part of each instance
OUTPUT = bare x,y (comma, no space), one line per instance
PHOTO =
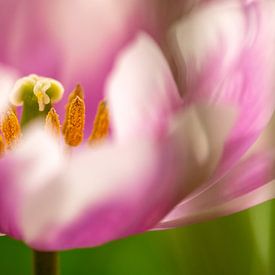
250,183
142,93
266,141
199,137
253,157
7,78
222,61
100,195
109,192
33,163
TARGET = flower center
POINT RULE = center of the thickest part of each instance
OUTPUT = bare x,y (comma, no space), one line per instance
37,94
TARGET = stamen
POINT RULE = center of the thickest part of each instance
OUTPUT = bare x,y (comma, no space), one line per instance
78,91
10,128
2,146
101,123
52,123
73,128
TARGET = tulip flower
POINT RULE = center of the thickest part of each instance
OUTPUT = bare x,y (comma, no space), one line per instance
151,150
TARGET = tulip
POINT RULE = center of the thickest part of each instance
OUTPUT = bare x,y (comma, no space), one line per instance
74,43
191,156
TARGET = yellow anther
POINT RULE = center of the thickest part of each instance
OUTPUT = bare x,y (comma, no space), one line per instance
73,128
10,128
52,123
2,146
78,91
101,123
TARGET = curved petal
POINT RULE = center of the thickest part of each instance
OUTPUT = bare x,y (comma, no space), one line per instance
220,50
106,192
199,138
99,195
253,157
250,183
35,160
103,193
141,91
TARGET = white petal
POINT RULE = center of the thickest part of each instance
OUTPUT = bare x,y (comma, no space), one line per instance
201,132
141,91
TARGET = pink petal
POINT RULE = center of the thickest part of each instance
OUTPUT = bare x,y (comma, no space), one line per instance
199,138
33,163
141,91
248,184
254,156
102,194
220,50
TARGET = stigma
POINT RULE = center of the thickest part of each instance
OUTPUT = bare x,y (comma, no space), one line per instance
37,95
45,89
39,90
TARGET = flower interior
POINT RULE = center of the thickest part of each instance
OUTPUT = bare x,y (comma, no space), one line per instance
37,95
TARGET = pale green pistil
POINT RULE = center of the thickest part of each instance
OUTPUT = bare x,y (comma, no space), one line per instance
36,94
31,109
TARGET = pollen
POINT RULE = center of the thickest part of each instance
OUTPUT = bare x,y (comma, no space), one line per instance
101,124
78,91
73,128
10,128
52,124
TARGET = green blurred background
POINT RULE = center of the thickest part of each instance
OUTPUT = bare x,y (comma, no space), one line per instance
241,244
